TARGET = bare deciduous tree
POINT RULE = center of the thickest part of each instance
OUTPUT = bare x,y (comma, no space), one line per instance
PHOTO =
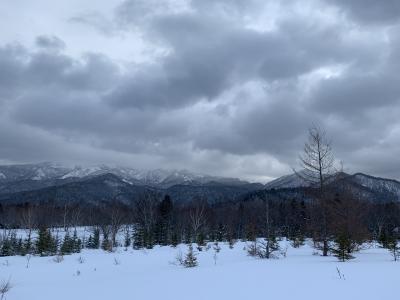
317,162
317,159
197,216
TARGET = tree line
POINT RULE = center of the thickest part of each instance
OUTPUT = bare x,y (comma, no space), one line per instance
331,213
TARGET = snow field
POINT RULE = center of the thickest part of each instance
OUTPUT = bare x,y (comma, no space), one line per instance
152,274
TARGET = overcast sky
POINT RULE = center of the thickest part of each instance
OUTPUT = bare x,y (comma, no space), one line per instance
224,87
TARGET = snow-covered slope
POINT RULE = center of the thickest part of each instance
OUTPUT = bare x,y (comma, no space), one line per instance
382,185
40,171
158,177
369,186
287,181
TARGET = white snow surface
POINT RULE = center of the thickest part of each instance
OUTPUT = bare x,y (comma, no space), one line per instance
150,274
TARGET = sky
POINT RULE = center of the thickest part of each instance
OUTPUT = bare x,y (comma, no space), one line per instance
222,87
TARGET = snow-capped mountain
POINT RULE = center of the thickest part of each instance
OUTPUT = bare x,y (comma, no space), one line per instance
40,171
370,187
48,182
382,185
287,181
158,177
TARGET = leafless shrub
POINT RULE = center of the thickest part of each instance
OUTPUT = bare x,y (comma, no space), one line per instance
284,251
178,259
58,259
5,287
252,249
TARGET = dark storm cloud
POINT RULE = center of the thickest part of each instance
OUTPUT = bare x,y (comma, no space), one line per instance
370,11
209,55
223,91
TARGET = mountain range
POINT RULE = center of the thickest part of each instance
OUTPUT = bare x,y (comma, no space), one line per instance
60,183
45,182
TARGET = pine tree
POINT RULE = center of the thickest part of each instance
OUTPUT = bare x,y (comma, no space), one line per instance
200,239
190,260
44,243
76,243
127,241
96,238
267,247
174,239
19,247
89,243
148,239
341,248
28,245
106,244
6,247
67,245
220,234
138,237
297,239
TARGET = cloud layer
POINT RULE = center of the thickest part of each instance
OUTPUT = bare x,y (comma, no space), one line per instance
221,87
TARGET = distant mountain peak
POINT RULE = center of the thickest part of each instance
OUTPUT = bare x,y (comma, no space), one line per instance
157,177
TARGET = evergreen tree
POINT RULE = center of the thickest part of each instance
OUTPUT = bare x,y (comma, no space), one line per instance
96,238
297,239
28,245
127,241
89,243
138,237
106,244
341,248
175,239
67,245
76,243
267,247
45,244
164,223
220,234
190,260
200,239
6,248
19,247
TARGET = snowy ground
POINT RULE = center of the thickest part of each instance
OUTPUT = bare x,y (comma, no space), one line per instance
150,275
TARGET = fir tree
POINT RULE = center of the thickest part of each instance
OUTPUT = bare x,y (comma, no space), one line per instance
106,244
6,248
174,239
341,248
127,241
190,260
267,247
96,238
67,245
89,243
138,237
200,239
76,243
297,239
220,234
45,243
